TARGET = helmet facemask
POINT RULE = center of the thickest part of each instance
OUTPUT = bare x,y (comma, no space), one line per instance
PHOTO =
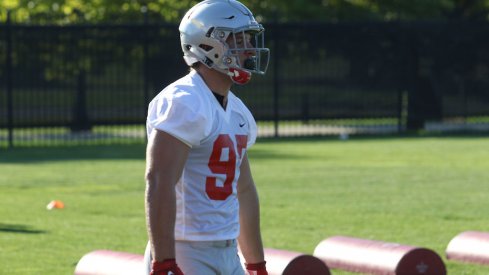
243,53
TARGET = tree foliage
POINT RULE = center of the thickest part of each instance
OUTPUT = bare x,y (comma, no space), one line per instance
95,11
138,11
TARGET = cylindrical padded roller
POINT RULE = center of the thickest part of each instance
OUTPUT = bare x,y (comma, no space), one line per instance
284,262
469,246
279,262
376,257
105,262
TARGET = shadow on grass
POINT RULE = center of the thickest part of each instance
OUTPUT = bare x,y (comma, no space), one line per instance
19,228
66,153
393,136
137,151
100,152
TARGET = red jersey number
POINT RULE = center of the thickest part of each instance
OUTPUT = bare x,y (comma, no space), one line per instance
219,163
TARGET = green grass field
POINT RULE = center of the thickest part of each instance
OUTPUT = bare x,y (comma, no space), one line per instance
415,191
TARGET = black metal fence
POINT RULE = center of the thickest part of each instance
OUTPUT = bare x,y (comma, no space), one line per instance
92,83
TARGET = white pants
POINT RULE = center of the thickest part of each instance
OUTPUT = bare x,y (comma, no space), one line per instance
203,258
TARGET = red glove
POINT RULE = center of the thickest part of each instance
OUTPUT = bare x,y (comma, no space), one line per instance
166,267
257,269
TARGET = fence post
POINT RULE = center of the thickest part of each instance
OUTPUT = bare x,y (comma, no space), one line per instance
8,82
276,79
146,77
81,121
305,107
401,109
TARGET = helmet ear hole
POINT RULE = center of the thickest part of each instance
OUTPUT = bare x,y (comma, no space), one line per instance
206,47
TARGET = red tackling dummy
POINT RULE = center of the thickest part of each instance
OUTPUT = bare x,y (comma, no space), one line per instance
283,262
106,262
469,246
377,257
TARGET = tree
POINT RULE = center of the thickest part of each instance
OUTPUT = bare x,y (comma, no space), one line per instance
137,11
377,10
94,11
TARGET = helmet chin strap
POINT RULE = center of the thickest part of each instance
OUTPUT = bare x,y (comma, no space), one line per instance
238,76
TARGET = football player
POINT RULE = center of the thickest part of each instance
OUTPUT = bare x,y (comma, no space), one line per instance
200,198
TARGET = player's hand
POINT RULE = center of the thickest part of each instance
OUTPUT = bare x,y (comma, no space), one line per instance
257,269
166,267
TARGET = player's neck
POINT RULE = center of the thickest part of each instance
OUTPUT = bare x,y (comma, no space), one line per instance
223,101
217,82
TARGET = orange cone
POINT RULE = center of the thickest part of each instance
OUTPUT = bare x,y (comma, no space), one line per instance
55,204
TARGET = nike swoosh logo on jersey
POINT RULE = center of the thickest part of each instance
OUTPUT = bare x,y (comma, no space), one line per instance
242,124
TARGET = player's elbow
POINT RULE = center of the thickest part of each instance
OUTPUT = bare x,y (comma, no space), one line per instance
157,180
149,177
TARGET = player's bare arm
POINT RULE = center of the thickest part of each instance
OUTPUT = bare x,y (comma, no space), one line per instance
165,159
249,216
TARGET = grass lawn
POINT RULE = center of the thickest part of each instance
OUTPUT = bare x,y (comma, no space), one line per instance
414,191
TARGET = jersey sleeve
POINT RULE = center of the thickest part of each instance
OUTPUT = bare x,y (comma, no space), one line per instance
179,114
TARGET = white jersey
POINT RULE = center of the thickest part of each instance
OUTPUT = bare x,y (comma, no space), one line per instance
207,204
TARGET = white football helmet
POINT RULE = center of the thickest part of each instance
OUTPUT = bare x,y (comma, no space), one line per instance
217,32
